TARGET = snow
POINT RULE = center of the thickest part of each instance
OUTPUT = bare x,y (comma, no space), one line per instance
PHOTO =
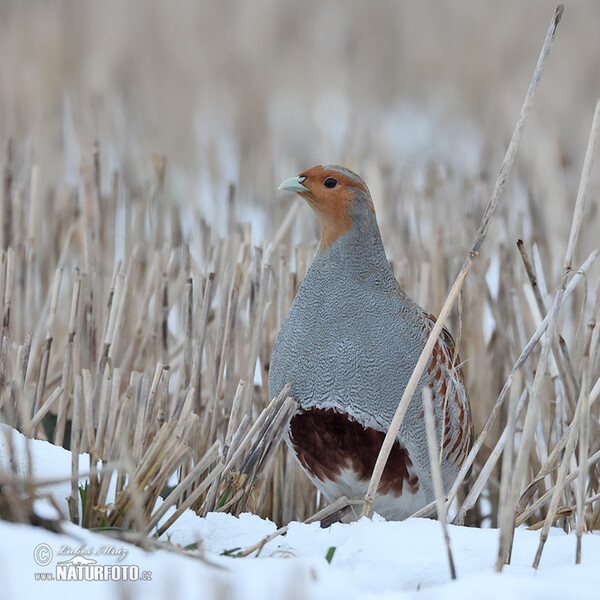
373,559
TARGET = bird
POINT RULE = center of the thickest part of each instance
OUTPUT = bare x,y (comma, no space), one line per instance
348,346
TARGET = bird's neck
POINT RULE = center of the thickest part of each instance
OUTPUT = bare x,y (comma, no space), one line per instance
359,253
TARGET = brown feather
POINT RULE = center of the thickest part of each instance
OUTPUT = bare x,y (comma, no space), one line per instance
327,442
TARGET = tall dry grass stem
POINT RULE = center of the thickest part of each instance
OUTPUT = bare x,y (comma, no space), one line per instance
473,253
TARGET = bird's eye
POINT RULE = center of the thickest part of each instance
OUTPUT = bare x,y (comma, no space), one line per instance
330,182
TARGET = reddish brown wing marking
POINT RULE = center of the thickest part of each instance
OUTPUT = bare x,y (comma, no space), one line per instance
444,346
444,360
327,442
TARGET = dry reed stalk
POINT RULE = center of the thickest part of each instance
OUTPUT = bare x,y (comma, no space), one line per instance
41,382
258,428
525,354
67,371
259,313
287,513
188,315
436,473
7,291
473,253
178,491
573,239
114,412
191,499
102,401
484,474
526,514
30,254
259,457
197,364
508,493
162,446
559,352
560,483
2,291
584,435
88,411
43,410
232,422
583,188
533,410
231,443
259,446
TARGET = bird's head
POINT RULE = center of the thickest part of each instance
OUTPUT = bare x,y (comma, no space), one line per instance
337,195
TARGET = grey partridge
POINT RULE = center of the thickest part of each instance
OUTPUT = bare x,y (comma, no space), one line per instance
349,344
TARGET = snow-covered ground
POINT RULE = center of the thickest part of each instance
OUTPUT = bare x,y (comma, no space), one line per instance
372,558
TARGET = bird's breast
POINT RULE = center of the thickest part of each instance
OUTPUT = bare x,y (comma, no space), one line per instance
349,346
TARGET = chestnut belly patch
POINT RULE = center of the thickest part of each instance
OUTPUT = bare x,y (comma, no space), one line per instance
326,442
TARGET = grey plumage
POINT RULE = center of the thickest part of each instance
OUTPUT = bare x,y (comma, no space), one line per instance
352,338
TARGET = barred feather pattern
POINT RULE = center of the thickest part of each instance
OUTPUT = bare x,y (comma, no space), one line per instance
450,393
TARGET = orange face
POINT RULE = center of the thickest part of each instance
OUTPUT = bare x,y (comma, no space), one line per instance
329,192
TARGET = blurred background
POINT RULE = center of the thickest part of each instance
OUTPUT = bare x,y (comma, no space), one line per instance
251,92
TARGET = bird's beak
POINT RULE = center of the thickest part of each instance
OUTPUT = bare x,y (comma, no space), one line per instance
293,184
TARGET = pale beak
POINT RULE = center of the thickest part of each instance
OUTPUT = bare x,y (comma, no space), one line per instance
293,184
